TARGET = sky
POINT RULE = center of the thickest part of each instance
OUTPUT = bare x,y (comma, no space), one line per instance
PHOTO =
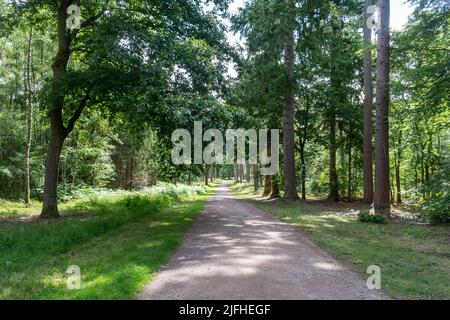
399,16
399,12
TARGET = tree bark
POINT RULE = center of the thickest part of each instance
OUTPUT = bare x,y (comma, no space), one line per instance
206,173
29,90
397,169
334,187
367,112
247,171
255,178
303,171
382,203
349,186
274,190
57,137
267,186
290,188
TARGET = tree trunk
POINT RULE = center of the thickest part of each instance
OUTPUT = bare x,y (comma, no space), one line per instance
267,186
303,171
381,197
57,137
206,173
274,190
58,131
212,173
255,178
290,188
334,187
247,172
29,120
349,186
397,169
368,100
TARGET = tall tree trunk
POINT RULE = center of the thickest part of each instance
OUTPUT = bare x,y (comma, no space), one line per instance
290,188
397,169
303,171
397,182
29,119
334,187
382,203
58,131
368,100
57,137
349,187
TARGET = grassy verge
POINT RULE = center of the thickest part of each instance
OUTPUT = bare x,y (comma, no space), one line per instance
118,240
414,259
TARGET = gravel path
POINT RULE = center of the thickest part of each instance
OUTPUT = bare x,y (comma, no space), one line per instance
236,251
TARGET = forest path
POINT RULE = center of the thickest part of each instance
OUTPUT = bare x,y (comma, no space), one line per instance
234,250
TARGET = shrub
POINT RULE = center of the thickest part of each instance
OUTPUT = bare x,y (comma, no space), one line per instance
438,207
373,218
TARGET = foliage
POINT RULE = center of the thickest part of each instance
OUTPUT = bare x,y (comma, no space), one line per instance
105,236
373,218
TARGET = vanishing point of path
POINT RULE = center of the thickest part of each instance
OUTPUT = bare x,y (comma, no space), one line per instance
236,251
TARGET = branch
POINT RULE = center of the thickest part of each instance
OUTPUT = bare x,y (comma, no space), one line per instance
78,112
87,23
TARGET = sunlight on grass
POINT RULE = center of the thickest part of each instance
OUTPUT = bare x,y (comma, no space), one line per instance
414,259
128,239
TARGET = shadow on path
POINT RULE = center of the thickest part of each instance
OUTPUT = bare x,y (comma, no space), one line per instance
236,251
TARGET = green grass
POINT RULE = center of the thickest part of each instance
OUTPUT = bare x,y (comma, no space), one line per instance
118,240
414,258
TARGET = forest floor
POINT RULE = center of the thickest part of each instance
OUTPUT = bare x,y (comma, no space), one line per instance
414,258
234,250
241,246
118,240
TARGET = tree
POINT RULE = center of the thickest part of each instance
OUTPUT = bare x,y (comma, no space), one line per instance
368,103
382,193
113,62
29,119
290,189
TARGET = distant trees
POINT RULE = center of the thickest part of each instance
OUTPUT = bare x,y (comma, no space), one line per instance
114,92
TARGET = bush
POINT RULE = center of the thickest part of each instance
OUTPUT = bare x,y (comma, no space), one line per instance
111,210
438,208
373,218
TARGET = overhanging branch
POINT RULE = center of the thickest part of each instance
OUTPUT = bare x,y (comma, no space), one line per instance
78,112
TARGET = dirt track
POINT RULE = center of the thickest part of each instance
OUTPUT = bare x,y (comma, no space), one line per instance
236,251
